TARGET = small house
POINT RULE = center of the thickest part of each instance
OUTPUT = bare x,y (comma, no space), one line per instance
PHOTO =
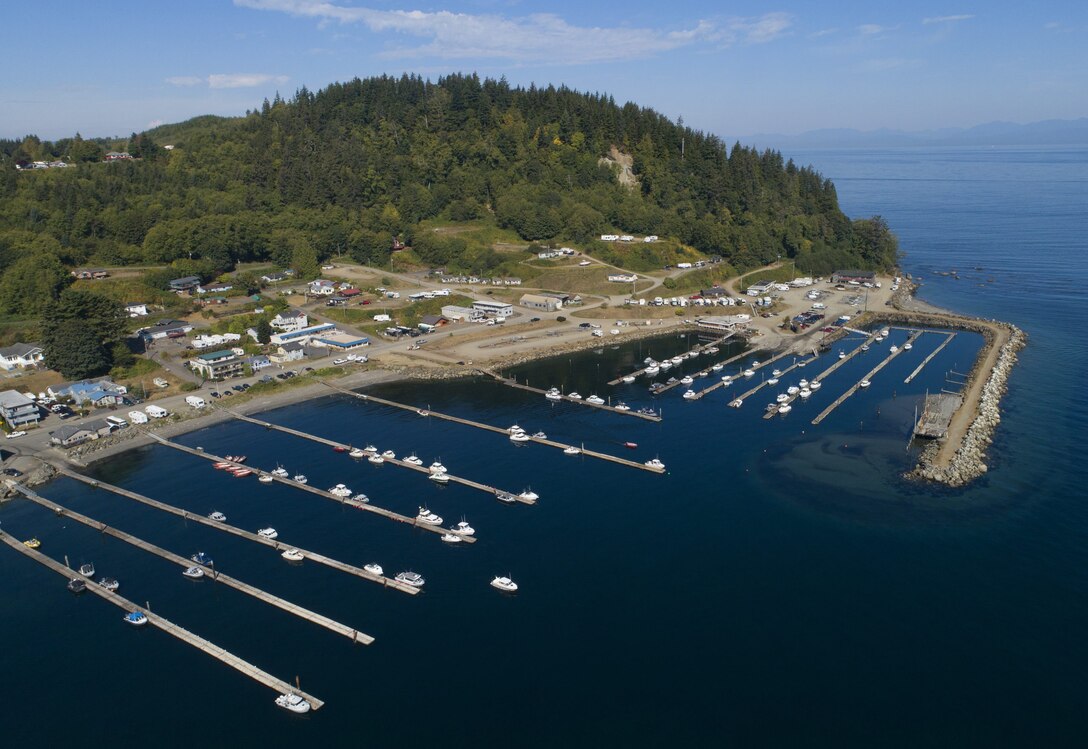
18,410
185,284
289,320
20,356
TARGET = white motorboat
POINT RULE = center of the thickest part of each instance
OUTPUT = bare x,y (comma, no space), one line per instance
842,354
885,332
664,366
376,459
514,429
621,406
785,408
805,393
505,584
553,395
87,570
357,453
374,568
193,573
464,528
571,450
815,385
865,347
266,478
293,703
340,491
519,437
793,390
411,578
908,346
628,379
651,371
279,472
452,538
204,560
655,463
893,349
649,360
428,517
217,517
506,497
865,383
413,459
109,583
540,436
782,398
269,533
737,403
300,478
360,498
389,455
574,396
803,363
749,372
690,394
773,381
677,360
293,555
687,380
370,450
135,618
727,380
595,400
776,372
439,478
717,367
437,467
802,384
712,350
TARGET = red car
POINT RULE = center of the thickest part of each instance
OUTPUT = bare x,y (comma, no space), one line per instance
366,301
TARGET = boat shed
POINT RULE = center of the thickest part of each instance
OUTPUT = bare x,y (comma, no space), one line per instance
541,302
498,309
846,276
340,341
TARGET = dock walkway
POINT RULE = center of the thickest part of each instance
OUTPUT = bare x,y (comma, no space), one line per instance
495,429
224,656
869,376
700,348
275,544
929,358
744,396
510,382
365,506
210,572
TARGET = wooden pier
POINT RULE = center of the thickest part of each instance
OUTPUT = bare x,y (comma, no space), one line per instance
209,572
700,348
497,430
937,415
744,396
275,544
365,506
579,401
224,656
838,401
929,358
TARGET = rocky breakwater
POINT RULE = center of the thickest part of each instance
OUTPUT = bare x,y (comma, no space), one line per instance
968,462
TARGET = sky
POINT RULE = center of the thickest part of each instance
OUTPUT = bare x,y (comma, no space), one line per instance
113,67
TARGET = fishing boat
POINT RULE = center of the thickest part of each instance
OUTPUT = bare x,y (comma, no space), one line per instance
374,568
506,497
360,498
411,578
437,467
389,455
785,408
135,618
464,528
76,585
293,703
217,517
32,543
690,394
452,538
655,463
595,400
356,453
300,478
109,583
519,437
293,555
340,491
574,396
201,558
376,459
428,517
865,383
439,478
628,379
269,533
279,472
505,584
266,478
571,450
413,460
193,573
87,570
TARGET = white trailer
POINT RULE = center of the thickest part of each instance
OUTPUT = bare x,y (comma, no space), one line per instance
156,412
195,401
137,417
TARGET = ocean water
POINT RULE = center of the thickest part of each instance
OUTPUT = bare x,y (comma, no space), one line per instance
781,585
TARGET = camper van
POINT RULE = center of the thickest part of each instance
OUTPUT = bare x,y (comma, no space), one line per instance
116,422
137,417
156,412
195,401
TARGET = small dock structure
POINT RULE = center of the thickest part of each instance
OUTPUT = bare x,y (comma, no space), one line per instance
698,349
510,382
223,527
937,415
869,376
929,358
210,572
759,365
163,624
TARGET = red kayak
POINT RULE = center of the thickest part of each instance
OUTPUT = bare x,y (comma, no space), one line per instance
339,449
631,445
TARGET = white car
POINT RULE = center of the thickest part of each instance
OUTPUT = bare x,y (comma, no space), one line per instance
338,362
13,435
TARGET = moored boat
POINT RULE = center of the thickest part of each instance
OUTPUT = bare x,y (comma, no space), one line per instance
464,528
519,437
529,495
864,383
202,559
109,583
193,573
389,455
411,578
268,532
628,379
300,478
340,491
266,478
571,450
293,703
135,618
413,459
356,453
595,400
785,408
452,538
437,467
439,478
506,497
87,570
279,472
293,555
374,568
690,394
574,396
655,463
77,585
376,459
505,584
32,543
426,516
217,517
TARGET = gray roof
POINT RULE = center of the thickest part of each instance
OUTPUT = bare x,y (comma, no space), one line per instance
68,431
19,349
14,399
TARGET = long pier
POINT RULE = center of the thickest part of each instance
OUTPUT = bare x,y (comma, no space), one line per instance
744,396
224,656
580,401
210,572
365,506
929,358
497,430
393,461
699,349
222,527
887,360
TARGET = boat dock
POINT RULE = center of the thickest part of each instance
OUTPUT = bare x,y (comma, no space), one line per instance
497,430
263,677
698,349
275,544
937,415
209,572
929,358
365,506
887,360
579,401
760,365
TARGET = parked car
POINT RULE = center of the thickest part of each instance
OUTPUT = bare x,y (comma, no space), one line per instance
16,433
338,362
14,472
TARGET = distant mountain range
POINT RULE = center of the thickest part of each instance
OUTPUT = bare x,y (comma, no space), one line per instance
1045,133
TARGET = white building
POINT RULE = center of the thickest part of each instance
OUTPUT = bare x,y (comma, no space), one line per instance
289,320
136,310
498,309
622,277
20,356
464,314
609,237
321,287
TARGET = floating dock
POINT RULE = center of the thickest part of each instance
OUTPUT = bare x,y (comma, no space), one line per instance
699,349
497,430
209,572
510,382
937,415
277,545
744,396
857,386
262,677
365,506
929,358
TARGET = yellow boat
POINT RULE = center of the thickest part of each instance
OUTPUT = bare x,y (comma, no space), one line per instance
32,543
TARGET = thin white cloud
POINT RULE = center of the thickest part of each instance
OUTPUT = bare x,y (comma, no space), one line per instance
184,80
948,19
823,32
869,29
539,37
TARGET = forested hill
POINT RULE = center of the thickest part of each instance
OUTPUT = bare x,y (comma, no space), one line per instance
347,168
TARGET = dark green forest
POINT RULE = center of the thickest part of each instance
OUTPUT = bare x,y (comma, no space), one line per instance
345,169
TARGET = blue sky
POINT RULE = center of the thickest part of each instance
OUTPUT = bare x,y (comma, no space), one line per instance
117,66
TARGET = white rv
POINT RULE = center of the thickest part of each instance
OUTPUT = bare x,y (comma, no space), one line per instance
195,401
137,417
156,412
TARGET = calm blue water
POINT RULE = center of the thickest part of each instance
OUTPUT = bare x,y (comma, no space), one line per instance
780,586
